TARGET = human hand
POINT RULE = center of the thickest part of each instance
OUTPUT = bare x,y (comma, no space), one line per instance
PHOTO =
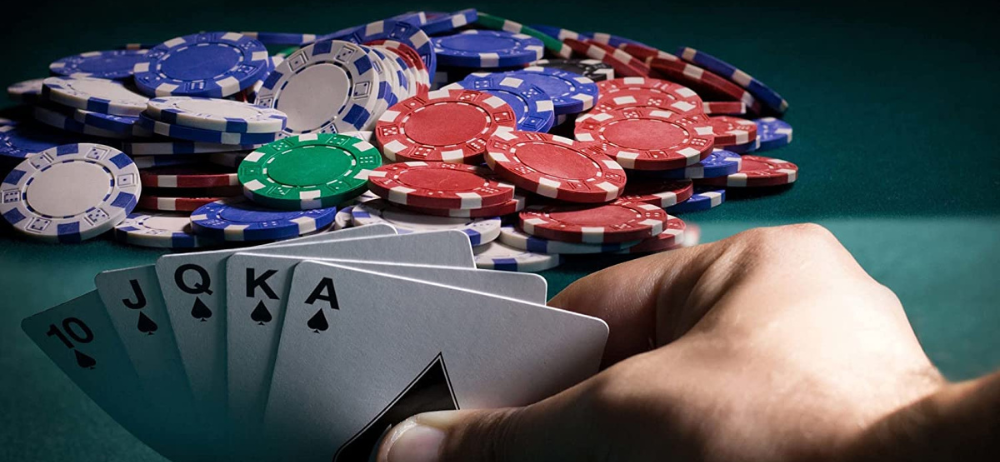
773,345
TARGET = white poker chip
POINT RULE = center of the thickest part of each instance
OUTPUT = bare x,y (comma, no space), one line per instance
326,87
343,218
216,114
518,239
479,230
71,193
96,95
158,229
499,256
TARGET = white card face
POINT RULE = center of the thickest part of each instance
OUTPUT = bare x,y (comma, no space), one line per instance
133,301
258,284
194,292
79,337
360,351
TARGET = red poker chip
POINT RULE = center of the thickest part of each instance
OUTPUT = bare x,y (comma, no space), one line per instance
174,204
643,52
439,185
188,176
731,131
512,206
412,59
600,54
443,126
671,238
647,138
661,193
644,91
757,171
620,55
724,107
703,81
555,167
619,221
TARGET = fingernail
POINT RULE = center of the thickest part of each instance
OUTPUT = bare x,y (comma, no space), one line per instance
414,441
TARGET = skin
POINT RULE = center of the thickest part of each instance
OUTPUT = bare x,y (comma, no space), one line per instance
772,345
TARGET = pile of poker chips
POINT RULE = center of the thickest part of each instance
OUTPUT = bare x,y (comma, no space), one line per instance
520,136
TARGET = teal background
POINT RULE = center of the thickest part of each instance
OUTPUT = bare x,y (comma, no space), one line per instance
895,134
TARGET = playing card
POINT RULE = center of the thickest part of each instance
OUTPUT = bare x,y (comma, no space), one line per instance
361,350
257,286
80,339
193,287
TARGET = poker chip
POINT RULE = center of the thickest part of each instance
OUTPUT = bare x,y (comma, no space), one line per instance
158,229
773,133
673,236
24,139
745,147
114,64
308,171
443,125
413,60
320,91
237,219
644,52
387,81
343,218
757,171
559,33
532,106
702,81
210,64
188,176
484,49
621,56
661,193
439,185
719,163
724,107
615,41
732,130
507,208
162,148
95,95
70,193
214,191
479,230
498,256
555,167
65,121
570,93
765,94
643,91
281,38
403,32
590,68
554,45
149,201
29,91
618,221
702,199
214,114
203,136
449,22
229,159
597,51
518,239
647,138
144,162
121,125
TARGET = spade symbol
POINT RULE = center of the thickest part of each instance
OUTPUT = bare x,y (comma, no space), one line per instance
200,310
260,315
318,322
85,361
146,325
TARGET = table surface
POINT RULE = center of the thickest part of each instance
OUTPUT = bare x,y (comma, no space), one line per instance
892,109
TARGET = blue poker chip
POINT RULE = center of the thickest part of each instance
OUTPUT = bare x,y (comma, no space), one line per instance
450,22
212,64
113,64
281,38
532,106
21,140
386,96
518,239
720,162
502,257
160,229
484,49
701,200
29,91
559,33
744,148
122,125
237,219
613,40
773,133
758,89
417,18
571,93
63,120
391,29
202,135
165,146
137,46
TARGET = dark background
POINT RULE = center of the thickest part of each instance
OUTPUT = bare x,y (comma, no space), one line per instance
894,109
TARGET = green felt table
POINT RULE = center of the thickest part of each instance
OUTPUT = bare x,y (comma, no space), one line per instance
893,109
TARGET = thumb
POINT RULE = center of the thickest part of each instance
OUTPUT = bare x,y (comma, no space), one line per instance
538,432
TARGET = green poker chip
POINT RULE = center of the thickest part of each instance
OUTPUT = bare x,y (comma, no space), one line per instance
308,171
